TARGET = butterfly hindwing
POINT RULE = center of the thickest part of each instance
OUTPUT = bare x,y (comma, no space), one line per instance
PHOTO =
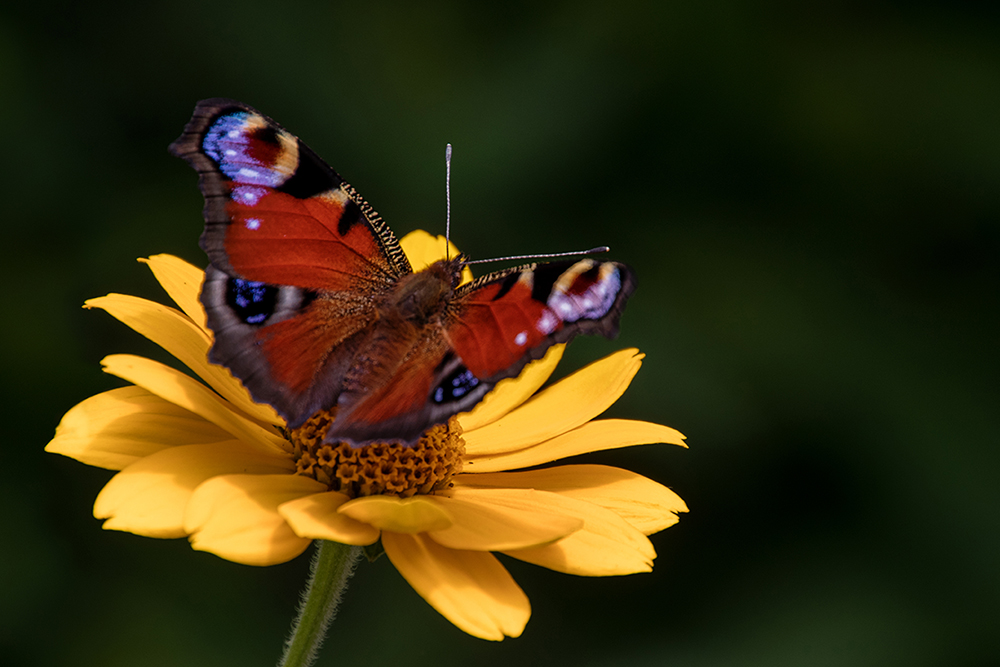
288,346
429,386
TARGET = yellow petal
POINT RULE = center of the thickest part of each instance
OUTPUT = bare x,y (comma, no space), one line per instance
646,505
182,338
400,515
512,392
184,391
182,281
563,406
423,249
606,545
469,588
593,436
236,517
501,519
316,517
116,428
149,497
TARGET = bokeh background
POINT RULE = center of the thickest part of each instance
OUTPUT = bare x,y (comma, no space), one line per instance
809,196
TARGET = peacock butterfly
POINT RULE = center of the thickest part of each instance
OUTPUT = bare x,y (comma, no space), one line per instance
314,305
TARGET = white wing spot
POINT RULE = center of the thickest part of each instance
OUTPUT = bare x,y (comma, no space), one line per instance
253,223
548,322
521,338
247,195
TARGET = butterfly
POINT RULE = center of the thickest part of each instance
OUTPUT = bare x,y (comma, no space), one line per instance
314,306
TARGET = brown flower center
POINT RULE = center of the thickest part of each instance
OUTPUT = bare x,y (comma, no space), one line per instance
378,468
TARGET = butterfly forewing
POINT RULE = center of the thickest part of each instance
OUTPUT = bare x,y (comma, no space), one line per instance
506,319
275,212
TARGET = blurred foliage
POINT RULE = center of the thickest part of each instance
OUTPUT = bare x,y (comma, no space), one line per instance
809,195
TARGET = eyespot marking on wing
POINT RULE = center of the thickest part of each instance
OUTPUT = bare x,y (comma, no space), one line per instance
252,302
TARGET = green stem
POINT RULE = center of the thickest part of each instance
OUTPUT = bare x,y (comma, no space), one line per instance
332,565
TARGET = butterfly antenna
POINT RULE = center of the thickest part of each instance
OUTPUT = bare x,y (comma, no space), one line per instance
447,196
574,253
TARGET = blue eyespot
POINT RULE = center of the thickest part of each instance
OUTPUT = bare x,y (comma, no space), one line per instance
457,384
252,302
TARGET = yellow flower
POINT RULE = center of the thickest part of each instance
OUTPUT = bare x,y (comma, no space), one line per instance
206,462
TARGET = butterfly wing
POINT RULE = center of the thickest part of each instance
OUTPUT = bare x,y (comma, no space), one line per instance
402,409
492,328
506,319
299,261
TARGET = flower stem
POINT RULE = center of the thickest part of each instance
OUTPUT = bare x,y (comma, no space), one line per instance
332,565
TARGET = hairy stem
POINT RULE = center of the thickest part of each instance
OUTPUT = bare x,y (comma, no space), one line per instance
332,566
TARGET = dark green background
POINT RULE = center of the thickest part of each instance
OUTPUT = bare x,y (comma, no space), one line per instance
809,197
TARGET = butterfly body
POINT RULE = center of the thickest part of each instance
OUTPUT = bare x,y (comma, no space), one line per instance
314,305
